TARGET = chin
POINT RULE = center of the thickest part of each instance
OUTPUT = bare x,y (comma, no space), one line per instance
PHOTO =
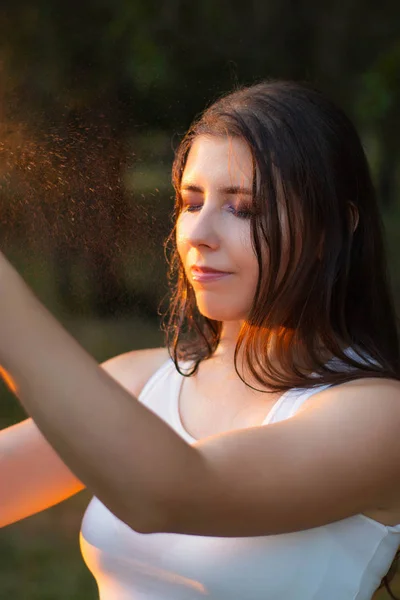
221,313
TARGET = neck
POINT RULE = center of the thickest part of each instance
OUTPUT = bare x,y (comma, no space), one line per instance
225,352
226,348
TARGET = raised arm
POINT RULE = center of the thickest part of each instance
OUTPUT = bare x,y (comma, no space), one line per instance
32,475
335,459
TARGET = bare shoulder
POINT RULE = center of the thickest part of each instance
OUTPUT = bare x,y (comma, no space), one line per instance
372,394
133,369
366,411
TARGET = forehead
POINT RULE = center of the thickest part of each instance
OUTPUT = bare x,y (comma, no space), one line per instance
220,161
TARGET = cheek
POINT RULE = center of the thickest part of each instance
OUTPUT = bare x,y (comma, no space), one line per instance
244,248
180,239
240,233
248,269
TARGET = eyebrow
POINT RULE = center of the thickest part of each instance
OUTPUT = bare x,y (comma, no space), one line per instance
234,189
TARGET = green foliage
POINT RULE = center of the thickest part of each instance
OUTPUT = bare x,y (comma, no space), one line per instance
380,86
376,98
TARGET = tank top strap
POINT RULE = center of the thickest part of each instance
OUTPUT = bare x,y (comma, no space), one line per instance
293,399
163,371
290,402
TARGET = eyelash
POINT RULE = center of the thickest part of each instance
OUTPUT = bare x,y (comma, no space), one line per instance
241,214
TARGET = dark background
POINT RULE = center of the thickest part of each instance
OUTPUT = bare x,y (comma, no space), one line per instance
94,97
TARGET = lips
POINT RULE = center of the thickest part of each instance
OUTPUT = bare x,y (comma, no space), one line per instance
203,275
200,270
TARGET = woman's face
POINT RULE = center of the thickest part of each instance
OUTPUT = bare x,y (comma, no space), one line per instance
213,228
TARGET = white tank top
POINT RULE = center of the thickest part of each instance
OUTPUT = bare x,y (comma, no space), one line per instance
344,560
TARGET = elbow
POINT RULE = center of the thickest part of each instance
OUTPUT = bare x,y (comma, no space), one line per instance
168,507
149,519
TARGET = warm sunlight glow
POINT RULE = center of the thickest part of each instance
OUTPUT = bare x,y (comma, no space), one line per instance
8,380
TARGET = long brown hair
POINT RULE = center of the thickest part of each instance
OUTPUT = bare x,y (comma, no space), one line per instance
390,576
308,158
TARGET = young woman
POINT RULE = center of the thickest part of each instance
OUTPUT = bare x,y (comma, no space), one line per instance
260,448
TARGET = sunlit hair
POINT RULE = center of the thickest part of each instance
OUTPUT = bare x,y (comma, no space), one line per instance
333,292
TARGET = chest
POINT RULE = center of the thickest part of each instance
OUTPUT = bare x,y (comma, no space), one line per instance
218,405
306,564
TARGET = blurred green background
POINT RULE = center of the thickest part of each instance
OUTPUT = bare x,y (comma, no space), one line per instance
94,97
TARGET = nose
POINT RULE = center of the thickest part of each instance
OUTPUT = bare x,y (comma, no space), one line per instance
201,228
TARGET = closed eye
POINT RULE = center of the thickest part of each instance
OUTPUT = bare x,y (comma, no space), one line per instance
241,213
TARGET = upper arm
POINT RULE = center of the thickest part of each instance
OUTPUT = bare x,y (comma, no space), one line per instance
32,475
338,457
